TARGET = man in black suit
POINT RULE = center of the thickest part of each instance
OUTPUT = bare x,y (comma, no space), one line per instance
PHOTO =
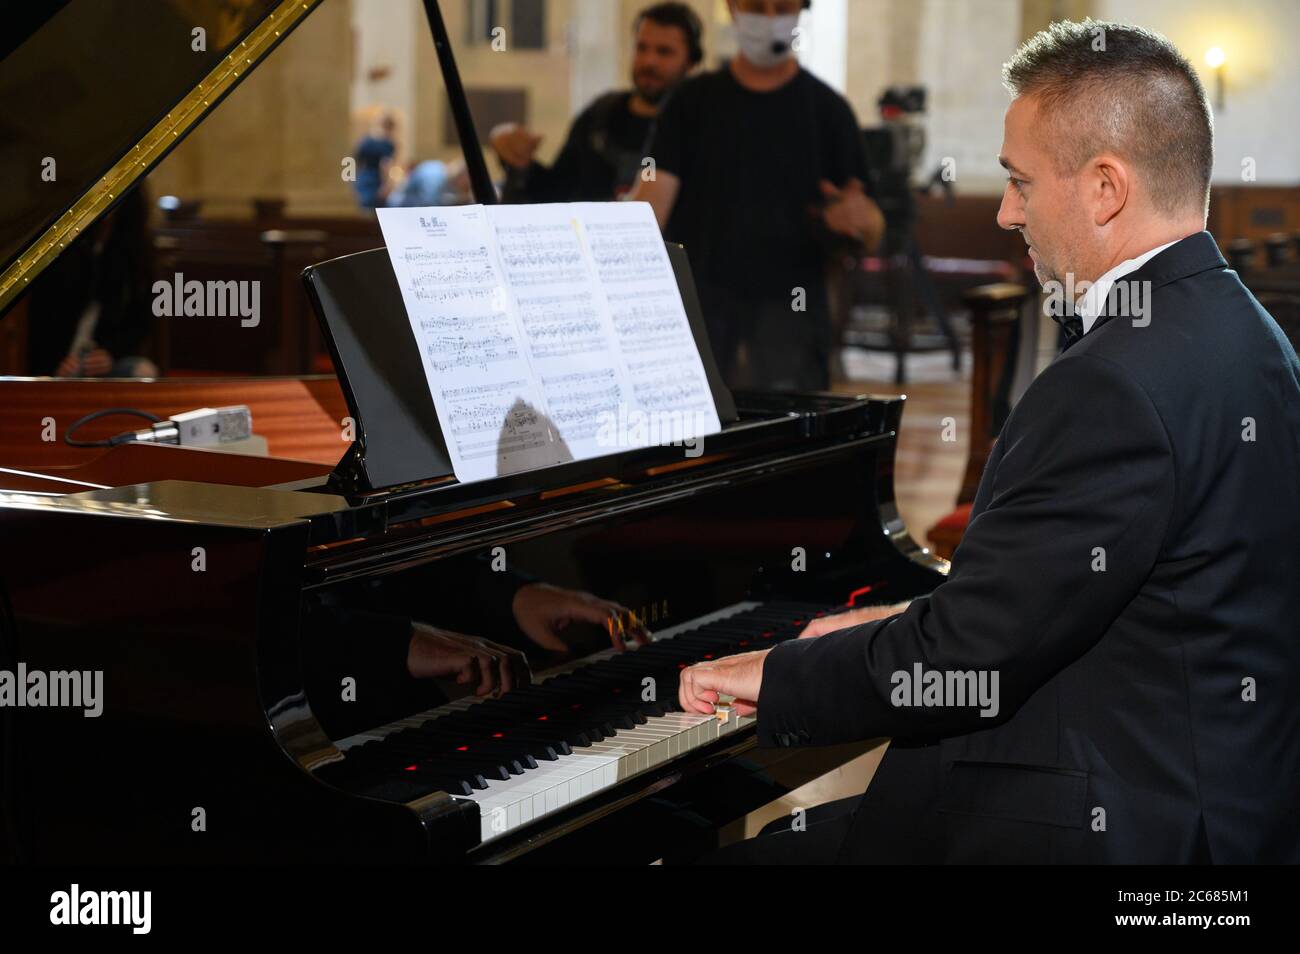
1111,671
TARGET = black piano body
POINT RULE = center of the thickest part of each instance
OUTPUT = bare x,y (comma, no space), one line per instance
217,607
192,599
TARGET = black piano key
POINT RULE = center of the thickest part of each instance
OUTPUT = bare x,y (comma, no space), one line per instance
598,704
495,743
409,789
406,749
553,718
447,781
556,733
490,769
559,747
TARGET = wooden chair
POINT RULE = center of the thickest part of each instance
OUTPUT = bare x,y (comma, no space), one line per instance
1241,256
1284,306
996,313
1277,249
286,339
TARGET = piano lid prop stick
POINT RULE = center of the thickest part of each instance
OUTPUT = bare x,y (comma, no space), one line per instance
480,181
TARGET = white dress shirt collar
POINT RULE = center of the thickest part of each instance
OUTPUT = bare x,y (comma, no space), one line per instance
1088,307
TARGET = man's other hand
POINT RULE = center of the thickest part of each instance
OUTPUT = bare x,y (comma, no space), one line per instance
93,364
493,668
855,617
544,611
850,212
514,144
660,191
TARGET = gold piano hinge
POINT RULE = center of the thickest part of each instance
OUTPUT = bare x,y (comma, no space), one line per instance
224,77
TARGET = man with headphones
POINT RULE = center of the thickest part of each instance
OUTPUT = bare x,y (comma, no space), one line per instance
603,155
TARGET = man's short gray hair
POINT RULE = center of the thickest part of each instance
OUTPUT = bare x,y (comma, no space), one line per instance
1111,87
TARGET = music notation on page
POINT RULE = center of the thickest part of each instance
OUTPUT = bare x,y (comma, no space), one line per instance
623,252
540,326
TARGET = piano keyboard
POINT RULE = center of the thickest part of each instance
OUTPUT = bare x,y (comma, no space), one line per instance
576,731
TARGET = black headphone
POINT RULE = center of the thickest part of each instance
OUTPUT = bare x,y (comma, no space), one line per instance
685,19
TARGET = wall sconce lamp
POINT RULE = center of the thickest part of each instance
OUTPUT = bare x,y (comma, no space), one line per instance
1215,59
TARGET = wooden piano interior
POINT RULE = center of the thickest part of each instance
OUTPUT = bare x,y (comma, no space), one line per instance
302,419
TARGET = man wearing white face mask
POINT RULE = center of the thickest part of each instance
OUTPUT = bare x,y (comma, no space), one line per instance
759,171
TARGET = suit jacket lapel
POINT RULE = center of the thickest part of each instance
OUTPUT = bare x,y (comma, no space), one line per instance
1191,256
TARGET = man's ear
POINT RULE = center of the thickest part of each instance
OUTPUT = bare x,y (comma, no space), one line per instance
1109,181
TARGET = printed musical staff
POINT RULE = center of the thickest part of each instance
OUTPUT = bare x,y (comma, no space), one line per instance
626,252
540,254
539,325
580,401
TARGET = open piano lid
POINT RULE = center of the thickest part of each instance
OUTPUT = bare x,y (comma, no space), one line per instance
76,108
82,122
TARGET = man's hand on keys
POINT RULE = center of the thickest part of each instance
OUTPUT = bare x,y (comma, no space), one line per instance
740,676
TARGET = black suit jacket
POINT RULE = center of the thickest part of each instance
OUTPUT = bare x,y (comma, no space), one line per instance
1150,704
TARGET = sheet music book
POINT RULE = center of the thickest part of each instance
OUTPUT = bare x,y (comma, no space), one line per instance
548,333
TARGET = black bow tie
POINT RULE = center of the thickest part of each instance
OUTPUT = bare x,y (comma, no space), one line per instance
1073,326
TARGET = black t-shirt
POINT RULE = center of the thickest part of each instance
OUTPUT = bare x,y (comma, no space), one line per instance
600,160
750,165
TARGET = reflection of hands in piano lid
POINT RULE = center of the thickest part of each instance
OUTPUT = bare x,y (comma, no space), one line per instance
440,653
853,617
739,676
544,611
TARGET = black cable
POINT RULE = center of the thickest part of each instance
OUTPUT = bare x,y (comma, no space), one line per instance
112,441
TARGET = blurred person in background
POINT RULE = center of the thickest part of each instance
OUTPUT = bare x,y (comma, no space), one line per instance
761,172
603,154
90,311
433,182
374,157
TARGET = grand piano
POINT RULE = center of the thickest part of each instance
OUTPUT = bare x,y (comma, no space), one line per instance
242,610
